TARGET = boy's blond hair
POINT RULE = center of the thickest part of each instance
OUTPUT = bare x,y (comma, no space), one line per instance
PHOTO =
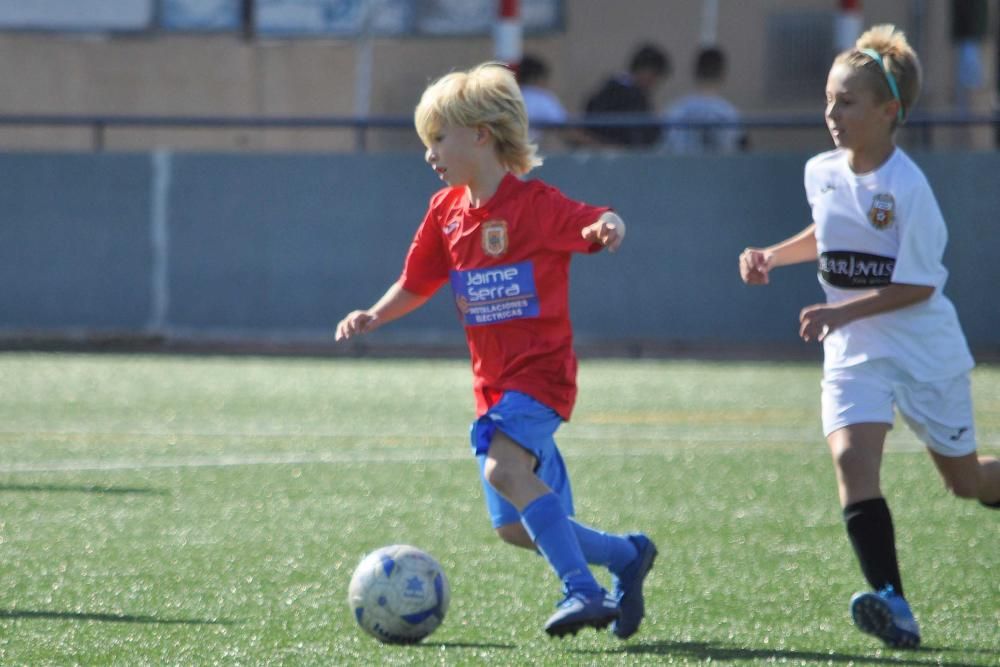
898,57
485,96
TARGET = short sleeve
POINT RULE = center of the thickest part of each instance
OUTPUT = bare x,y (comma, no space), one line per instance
809,178
564,220
922,239
427,263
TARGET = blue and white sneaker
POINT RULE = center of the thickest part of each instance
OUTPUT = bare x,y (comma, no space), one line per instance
628,587
579,611
886,615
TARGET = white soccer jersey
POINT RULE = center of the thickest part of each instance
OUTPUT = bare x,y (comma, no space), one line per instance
873,229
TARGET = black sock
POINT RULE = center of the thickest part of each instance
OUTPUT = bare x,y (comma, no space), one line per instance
869,525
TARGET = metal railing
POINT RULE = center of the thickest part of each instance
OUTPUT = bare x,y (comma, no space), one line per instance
100,124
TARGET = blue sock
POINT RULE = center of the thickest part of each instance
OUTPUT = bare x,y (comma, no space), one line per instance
546,522
614,552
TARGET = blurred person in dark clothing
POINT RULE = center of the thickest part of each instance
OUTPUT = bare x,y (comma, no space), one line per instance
631,93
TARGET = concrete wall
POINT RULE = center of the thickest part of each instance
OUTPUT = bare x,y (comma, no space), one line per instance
210,246
160,73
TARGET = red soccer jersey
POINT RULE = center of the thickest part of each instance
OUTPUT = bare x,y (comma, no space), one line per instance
508,265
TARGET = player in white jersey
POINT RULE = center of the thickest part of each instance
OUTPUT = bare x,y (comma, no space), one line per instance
890,336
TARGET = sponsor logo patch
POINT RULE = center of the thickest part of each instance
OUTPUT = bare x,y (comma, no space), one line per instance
494,237
883,211
496,294
855,270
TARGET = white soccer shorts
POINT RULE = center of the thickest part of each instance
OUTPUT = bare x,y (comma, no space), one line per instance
939,413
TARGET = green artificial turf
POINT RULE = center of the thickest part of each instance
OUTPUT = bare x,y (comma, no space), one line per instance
171,510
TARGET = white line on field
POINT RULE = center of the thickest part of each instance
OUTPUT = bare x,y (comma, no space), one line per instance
581,434
404,456
632,434
226,461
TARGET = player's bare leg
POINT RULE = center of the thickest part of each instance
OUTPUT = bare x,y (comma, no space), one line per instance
857,459
510,469
970,476
515,534
627,581
883,612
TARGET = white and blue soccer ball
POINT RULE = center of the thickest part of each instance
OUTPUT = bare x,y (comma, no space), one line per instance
399,594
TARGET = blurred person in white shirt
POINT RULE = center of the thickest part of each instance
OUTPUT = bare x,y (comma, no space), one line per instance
705,105
542,104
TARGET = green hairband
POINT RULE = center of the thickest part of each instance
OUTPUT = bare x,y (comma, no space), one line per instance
877,57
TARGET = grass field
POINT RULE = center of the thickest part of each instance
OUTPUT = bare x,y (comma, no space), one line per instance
159,510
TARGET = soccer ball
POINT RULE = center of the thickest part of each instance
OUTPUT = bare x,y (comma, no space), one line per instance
399,594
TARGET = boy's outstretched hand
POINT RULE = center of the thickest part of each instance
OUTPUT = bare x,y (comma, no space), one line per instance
357,322
395,303
609,231
755,265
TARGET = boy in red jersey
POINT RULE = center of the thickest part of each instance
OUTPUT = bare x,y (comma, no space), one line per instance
504,245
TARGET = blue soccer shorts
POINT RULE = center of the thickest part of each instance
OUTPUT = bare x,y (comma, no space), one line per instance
532,425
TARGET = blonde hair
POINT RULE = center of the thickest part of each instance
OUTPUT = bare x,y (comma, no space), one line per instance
485,96
899,60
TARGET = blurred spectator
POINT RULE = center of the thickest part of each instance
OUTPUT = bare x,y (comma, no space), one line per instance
631,92
969,19
541,103
705,104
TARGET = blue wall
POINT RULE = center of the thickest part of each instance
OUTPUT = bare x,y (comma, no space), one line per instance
74,242
279,246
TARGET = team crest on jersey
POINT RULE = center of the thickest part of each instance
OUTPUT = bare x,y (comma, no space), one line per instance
883,211
494,237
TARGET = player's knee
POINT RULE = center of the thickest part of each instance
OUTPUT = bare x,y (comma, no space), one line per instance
849,459
501,477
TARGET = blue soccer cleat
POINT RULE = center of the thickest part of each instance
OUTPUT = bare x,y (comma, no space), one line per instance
628,587
887,616
580,611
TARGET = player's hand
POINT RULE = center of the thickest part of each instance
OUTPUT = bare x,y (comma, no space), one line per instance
609,233
356,323
817,321
755,266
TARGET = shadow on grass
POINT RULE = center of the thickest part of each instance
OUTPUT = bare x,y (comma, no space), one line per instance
707,651
439,645
81,488
107,618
